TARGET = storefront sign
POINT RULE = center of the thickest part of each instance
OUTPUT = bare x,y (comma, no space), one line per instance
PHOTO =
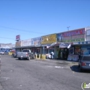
26,42
74,32
86,42
63,45
36,41
74,36
75,43
49,39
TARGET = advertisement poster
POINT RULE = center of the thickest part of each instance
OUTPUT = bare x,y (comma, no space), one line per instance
36,41
77,38
49,39
26,42
74,36
86,50
59,37
73,57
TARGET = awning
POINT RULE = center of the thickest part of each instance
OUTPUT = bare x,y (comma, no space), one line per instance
53,44
64,45
28,47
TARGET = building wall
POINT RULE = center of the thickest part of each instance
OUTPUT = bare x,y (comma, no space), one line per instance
87,36
18,44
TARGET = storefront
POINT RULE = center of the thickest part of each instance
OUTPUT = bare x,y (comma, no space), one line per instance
73,38
62,47
63,50
47,43
85,46
33,44
36,42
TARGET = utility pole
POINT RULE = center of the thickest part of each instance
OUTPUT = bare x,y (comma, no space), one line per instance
68,28
70,36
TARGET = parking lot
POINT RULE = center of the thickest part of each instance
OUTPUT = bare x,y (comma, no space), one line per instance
40,75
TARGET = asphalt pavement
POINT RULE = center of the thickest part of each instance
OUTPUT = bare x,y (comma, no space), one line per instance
40,75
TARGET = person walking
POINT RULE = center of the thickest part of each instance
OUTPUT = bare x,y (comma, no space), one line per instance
52,54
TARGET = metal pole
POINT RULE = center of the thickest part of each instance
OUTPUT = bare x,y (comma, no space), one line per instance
68,28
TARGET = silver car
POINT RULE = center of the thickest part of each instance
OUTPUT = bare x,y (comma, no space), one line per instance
84,63
2,53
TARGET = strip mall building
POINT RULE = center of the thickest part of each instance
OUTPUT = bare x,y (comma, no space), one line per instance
64,44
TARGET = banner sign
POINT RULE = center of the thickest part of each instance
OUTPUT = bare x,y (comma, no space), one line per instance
49,39
74,36
36,41
26,42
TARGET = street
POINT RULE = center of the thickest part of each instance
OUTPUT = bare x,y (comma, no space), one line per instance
40,75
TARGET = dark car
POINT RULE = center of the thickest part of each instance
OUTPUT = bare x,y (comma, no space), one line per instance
84,63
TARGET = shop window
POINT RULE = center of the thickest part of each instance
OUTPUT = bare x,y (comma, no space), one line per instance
77,49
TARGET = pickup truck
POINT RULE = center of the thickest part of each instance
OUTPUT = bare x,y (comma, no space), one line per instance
25,54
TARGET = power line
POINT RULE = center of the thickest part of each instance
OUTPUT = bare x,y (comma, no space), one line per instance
7,38
21,30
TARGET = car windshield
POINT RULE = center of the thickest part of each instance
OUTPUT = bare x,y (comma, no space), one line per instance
25,50
86,58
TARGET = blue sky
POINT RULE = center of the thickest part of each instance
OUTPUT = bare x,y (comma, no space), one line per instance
34,18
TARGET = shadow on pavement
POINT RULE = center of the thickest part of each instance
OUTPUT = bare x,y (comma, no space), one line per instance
22,59
75,68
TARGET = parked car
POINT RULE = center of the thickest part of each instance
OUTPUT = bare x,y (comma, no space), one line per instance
2,53
26,53
84,63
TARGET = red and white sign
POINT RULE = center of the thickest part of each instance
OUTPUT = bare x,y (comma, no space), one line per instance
17,37
74,33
